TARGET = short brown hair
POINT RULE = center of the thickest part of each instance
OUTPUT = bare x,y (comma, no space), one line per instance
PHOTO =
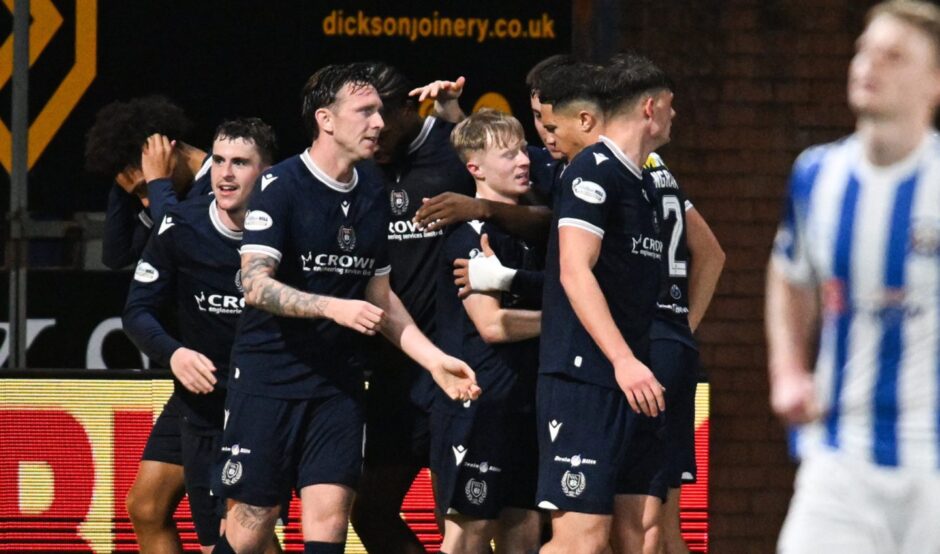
922,15
485,129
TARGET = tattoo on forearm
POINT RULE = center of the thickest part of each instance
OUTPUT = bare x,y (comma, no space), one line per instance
270,295
251,517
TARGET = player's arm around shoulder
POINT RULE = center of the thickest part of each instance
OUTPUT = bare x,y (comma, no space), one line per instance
451,374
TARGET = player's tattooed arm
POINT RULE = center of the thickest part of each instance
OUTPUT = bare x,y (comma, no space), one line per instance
266,293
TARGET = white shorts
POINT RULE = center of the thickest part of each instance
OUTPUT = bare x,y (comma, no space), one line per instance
849,506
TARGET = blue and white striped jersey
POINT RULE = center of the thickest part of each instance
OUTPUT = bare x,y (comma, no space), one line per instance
868,238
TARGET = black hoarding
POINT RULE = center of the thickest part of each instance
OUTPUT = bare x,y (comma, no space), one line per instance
221,59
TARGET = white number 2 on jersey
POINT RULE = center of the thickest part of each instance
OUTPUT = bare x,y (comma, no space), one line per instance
671,204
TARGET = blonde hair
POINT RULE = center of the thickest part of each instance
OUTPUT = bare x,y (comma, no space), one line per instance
925,16
485,129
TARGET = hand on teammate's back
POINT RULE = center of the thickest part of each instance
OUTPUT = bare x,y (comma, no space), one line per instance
448,208
643,391
193,370
157,159
358,315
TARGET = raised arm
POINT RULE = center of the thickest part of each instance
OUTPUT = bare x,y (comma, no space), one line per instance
578,253
706,264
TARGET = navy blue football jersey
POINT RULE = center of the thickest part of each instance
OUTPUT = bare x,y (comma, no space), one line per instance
602,192
430,168
191,263
329,238
672,307
505,370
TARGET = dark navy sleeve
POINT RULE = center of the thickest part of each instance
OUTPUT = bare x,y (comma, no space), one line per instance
126,228
383,265
584,202
201,186
162,197
267,223
541,171
150,291
527,285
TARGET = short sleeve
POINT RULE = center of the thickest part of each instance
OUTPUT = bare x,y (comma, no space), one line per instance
267,222
584,202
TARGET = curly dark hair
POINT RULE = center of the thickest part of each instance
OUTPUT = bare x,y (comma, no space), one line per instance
392,85
121,128
251,129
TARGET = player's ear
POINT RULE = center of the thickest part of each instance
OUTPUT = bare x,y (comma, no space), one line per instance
324,119
587,121
475,170
649,107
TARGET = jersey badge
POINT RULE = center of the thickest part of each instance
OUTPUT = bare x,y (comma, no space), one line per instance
589,191
399,202
346,237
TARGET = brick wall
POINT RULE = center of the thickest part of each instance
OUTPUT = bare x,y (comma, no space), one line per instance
757,82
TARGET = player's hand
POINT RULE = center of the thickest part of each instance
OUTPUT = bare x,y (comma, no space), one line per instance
456,379
448,208
793,398
193,370
643,391
442,91
358,315
131,180
484,273
157,157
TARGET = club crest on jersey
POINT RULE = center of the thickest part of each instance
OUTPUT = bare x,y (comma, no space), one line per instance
589,191
145,273
238,281
399,201
655,222
346,237
231,473
257,220
573,483
674,292
475,491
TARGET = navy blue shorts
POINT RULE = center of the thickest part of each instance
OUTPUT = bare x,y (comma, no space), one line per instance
273,445
174,441
200,458
676,366
163,444
485,458
397,421
592,446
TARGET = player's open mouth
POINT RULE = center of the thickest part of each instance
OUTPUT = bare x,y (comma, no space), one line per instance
228,188
524,176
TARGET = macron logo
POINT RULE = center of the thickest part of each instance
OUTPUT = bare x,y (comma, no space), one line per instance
267,180
600,158
165,224
345,206
459,452
553,428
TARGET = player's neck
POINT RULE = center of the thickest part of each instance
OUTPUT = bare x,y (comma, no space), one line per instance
332,160
233,220
889,141
631,138
486,193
